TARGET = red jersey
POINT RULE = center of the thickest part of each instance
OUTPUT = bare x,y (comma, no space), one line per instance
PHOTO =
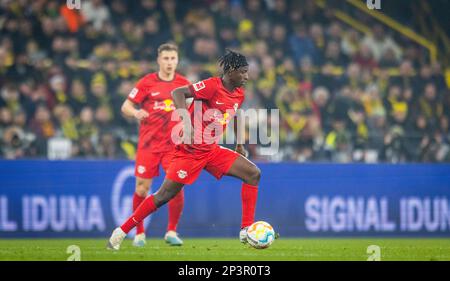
218,107
153,95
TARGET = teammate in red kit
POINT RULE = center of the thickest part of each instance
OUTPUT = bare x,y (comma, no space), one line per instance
220,97
153,94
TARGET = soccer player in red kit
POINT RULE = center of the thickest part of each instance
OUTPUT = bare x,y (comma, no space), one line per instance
153,94
221,96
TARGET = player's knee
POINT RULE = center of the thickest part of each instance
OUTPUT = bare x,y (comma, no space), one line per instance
162,196
142,188
162,199
159,200
254,176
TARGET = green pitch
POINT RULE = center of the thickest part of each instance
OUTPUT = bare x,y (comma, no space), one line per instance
229,249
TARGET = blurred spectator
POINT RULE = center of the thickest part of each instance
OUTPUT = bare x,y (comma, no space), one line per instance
15,142
430,106
86,126
95,12
379,43
108,146
350,43
301,44
396,143
42,124
338,142
364,58
66,122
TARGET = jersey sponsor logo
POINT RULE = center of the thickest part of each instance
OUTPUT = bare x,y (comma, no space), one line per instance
199,85
133,93
166,105
141,169
182,174
217,102
155,94
223,119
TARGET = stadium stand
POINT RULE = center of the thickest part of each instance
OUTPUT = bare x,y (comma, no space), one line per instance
350,88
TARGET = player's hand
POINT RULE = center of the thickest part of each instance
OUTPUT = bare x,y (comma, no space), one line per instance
241,150
141,114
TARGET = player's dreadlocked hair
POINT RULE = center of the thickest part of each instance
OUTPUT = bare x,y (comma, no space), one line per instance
232,61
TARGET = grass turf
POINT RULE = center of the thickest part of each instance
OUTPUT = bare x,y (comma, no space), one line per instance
228,250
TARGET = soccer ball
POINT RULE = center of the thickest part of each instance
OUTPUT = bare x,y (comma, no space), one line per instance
260,235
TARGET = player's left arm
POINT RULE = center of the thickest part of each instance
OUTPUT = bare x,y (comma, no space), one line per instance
239,132
179,96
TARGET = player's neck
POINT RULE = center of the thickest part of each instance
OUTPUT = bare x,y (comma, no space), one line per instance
227,84
166,76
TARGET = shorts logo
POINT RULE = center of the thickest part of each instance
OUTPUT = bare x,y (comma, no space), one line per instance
182,174
141,169
133,93
199,85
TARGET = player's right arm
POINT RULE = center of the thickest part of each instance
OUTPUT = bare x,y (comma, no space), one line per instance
179,96
136,97
128,108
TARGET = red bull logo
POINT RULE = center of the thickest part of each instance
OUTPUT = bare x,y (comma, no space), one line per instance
166,105
223,119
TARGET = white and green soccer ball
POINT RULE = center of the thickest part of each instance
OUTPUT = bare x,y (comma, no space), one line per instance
260,235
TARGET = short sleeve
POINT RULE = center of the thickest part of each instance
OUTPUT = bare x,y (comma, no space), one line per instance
138,93
183,80
204,89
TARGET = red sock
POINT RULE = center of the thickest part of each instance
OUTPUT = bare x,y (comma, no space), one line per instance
146,208
137,200
175,209
249,194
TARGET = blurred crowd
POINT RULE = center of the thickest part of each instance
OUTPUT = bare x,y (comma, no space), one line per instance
343,95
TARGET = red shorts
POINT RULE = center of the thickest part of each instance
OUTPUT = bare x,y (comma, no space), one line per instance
186,166
147,163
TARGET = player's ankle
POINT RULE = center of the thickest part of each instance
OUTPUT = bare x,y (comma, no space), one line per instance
171,233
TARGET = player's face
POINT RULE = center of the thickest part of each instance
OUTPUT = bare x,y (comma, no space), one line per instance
168,61
239,76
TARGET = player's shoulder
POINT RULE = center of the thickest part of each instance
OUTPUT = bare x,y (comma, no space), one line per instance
210,83
217,82
148,78
214,81
181,79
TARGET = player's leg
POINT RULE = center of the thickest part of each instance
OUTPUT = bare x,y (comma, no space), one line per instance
146,168
167,191
184,169
250,174
142,188
245,170
227,162
175,208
